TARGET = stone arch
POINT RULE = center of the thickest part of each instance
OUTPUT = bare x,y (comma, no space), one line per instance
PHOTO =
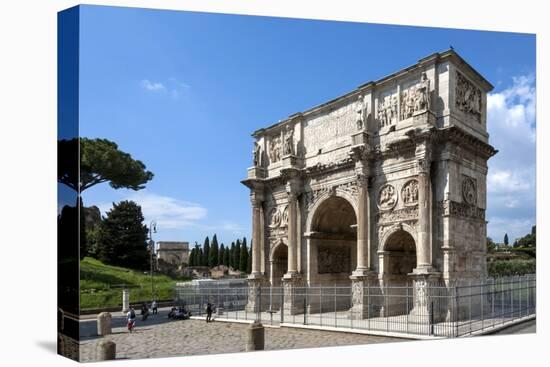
332,239
399,254
351,199
278,258
383,239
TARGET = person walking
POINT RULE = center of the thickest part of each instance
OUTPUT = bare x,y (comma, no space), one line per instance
144,312
208,312
154,306
131,318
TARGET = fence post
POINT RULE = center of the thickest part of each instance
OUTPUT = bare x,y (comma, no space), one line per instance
456,316
431,317
335,316
305,307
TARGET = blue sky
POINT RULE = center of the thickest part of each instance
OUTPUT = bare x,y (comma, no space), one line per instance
183,91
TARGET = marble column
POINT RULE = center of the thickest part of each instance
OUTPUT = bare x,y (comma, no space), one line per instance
256,235
363,227
362,277
292,303
292,234
255,278
424,245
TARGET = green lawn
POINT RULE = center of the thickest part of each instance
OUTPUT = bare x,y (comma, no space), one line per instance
101,285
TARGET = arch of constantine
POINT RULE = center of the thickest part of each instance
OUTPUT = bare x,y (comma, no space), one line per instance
383,185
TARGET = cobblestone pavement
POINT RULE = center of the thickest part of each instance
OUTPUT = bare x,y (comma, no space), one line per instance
192,337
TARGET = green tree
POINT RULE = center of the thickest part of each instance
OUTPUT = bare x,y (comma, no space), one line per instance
249,264
122,237
197,260
232,256
237,255
201,257
490,245
506,239
226,256
205,251
243,258
221,255
213,253
192,257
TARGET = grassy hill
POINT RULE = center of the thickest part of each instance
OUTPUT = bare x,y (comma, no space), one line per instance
101,285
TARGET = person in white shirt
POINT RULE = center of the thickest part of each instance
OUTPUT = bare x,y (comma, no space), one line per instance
131,318
154,306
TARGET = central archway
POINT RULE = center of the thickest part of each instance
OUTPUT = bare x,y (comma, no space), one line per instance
332,242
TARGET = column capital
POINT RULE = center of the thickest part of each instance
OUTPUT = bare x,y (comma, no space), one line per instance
256,198
360,153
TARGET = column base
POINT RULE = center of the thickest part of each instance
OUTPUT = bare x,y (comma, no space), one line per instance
361,282
254,303
424,280
293,303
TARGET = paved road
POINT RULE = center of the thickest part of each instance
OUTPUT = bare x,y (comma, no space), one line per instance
157,337
526,327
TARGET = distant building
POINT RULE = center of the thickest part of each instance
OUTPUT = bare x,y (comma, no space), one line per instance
173,252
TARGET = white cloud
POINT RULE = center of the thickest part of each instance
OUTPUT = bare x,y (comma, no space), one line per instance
152,86
173,87
168,212
511,185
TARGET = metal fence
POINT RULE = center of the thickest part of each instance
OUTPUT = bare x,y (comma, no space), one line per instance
409,309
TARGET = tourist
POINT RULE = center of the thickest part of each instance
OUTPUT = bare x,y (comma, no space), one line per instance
208,312
154,306
144,312
131,318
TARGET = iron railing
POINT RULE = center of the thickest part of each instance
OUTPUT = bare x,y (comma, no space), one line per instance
435,310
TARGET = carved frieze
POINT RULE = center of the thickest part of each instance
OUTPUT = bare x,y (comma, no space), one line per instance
416,98
349,188
455,209
405,214
332,259
409,193
469,191
387,197
468,96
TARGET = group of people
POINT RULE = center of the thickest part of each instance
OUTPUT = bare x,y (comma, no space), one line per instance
176,313
180,313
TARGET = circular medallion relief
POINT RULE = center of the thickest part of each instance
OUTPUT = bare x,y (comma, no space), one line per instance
409,193
387,197
274,218
469,192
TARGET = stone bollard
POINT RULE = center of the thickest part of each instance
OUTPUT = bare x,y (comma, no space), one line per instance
104,323
106,350
255,337
125,300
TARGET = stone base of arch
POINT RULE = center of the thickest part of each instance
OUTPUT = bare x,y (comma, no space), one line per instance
293,300
424,284
257,302
362,306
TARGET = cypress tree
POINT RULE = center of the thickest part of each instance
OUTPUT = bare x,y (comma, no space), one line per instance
213,253
226,256
232,256
201,257
192,257
237,255
249,265
221,255
506,239
243,258
197,260
205,251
